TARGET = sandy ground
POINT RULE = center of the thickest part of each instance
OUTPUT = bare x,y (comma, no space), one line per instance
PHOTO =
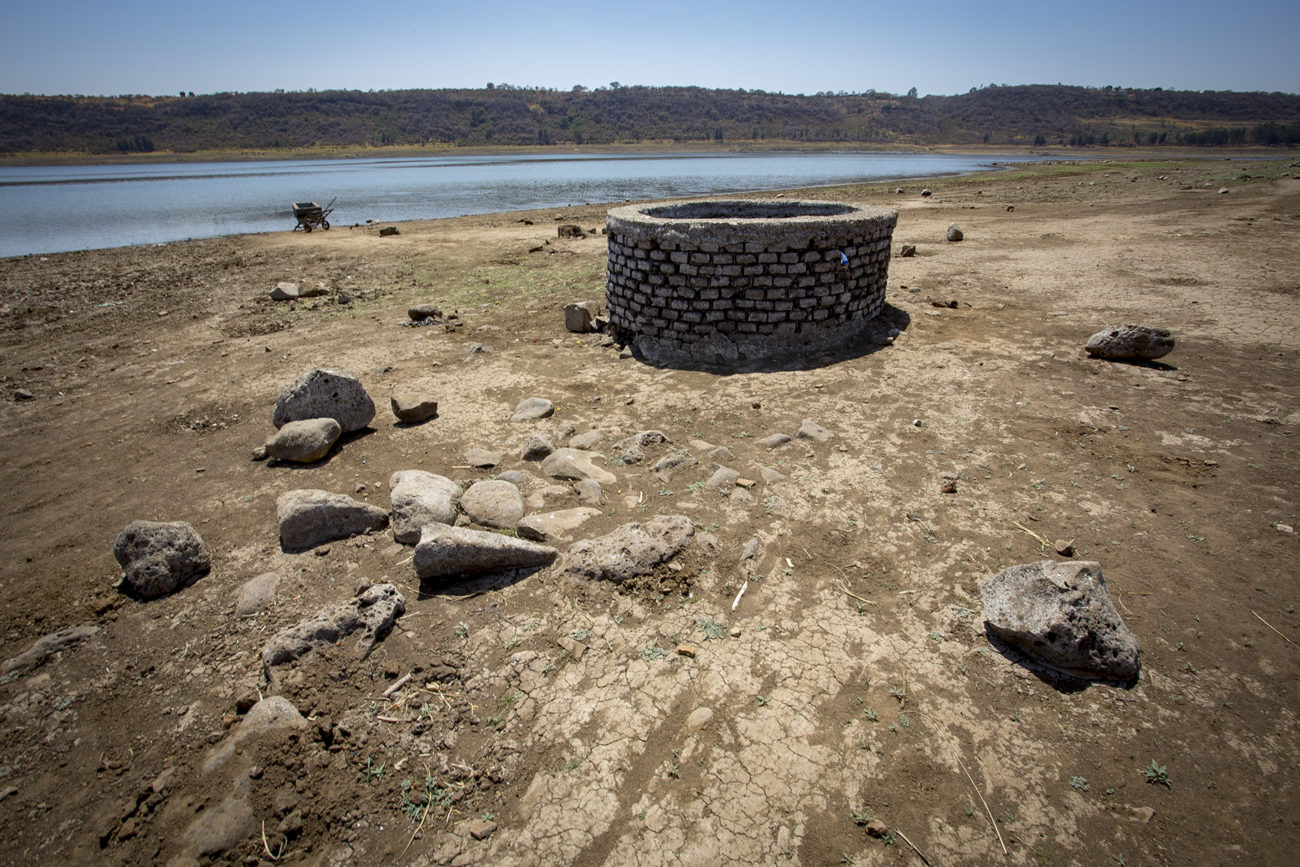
853,680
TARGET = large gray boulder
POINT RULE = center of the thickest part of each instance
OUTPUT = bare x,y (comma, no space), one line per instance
159,558
419,498
372,614
326,392
304,441
630,551
309,517
446,552
575,465
493,503
1061,615
1131,342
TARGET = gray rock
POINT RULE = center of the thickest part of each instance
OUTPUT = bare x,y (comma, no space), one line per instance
723,478
579,317
907,251
587,441
304,441
221,826
776,439
555,526
537,499
482,458
630,551
309,517
537,447
326,392
720,455
424,311
532,408
926,193
388,231
284,292
1061,615
589,492
372,614
318,291
275,712
576,465
159,558
569,230
256,594
631,450
514,477
810,430
412,408
954,232
665,466
1125,342
45,647
699,718
419,498
493,503
446,552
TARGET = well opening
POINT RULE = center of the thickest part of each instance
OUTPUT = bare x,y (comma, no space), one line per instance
720,282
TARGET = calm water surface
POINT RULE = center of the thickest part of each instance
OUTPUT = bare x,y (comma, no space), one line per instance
52,209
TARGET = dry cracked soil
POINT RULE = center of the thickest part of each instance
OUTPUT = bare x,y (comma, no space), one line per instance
674,719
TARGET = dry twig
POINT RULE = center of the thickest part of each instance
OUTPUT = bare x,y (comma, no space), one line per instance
913,845
736,601
985,803
850,593
397,684
267,848
1280,635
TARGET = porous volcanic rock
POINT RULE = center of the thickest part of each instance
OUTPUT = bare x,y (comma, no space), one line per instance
1061,615
159,558
1127,342
326,392
629,551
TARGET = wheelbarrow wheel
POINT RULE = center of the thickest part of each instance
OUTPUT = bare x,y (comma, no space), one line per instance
325,224
306,227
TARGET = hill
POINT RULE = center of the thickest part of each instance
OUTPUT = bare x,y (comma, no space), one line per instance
507,115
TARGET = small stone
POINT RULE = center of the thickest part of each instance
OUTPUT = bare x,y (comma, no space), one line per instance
245,699
482,458
1064,547
907,251
723,478
1142,815
1283,528
735,632
424,311
916,422
23,394
586,441
579,318
926,193
256,594
954,232
284,292
877,829
493,503
413,408
481,829
948,487
810,430
743,482
304,441
776,439
536,448
160,558
686,650
699,718
1125,342
533,408
388,231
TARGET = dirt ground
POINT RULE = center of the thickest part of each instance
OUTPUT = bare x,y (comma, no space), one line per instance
852,680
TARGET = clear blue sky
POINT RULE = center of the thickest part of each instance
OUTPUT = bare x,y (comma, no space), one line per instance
137,46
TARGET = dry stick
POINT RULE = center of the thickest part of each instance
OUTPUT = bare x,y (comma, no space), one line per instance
986,806
397,684
1280,635
855,596
416,832
743,588
267,848
1038,537
913,845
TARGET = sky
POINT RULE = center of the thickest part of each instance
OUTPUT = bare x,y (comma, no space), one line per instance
92,47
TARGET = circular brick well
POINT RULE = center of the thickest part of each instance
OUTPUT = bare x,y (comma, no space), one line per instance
721,282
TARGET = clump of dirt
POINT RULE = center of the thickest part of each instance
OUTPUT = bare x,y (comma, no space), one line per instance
747,702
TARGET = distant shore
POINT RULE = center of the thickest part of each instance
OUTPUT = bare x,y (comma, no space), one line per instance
767,146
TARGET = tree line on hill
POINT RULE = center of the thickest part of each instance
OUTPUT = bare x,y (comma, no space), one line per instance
502,114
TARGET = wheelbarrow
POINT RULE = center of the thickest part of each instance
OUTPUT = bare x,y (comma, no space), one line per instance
311,215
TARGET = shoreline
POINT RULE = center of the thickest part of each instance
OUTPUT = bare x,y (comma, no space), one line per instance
35,159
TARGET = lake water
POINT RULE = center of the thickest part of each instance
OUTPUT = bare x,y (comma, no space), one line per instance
50,209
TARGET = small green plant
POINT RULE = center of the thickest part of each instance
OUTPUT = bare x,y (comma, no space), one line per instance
763,700
936,635
871,715
573,764
863,818
653,652
373,771
712,629
1157,775
665,492
899,693
462,630
581,634
674,771
1079,783
695,486
904,721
